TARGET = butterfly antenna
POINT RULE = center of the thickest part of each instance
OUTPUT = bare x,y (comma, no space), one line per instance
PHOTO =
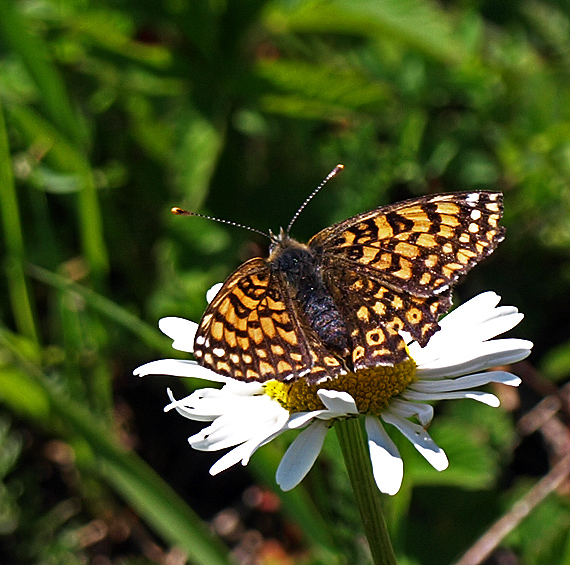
182,212
332,174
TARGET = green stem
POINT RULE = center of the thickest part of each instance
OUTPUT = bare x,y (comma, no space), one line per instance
357,460
22,307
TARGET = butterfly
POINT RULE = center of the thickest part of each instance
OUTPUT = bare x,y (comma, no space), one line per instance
339,302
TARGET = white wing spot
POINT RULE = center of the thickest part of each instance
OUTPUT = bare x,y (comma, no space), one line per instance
441,289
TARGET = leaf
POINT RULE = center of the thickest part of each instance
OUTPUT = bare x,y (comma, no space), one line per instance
416,23
343,87
200,145
22,395
472,463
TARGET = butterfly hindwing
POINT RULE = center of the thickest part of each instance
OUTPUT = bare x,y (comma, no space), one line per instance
376,315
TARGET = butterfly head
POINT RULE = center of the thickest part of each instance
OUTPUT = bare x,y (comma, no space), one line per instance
278,239
281,242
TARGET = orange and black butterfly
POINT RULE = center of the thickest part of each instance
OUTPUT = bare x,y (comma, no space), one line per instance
338,303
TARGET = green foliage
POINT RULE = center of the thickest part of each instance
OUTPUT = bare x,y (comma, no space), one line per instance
110,114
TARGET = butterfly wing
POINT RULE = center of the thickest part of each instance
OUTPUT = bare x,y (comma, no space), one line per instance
392,268
375,315
252,331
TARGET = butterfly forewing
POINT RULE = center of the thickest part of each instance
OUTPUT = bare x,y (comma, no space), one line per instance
252,331
421,246
387,270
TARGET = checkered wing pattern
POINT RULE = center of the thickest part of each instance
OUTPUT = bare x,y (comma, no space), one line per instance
392,268
252,331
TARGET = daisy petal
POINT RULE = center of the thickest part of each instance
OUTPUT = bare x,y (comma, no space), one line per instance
242,424
475,357
461,341
301,456
211,294
242,453
387,465
464,383
473,309
404,409
420,439
179,368
472,323
301,419
181,331
183,408
210,403
484,397
230,459
339,402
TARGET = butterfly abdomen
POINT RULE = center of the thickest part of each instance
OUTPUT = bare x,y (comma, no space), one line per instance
300,269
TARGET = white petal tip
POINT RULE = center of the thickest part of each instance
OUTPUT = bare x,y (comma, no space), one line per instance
389,489
211,294
387,465
438,460
484,398
390,480
146,369
181,331
286,486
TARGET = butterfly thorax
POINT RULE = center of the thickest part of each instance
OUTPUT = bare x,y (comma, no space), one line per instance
299,267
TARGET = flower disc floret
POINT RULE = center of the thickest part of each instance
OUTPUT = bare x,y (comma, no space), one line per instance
372,388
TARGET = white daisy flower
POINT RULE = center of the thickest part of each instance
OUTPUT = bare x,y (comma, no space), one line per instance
246,416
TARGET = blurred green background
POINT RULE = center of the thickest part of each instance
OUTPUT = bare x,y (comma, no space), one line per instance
113,112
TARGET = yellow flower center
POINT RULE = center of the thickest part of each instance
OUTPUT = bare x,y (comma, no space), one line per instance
371,388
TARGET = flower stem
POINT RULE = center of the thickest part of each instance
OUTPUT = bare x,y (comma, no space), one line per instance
357,460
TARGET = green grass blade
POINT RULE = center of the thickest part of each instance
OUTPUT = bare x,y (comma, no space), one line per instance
417,23
69,158
20,299
160,506
35,55
146,333
91,225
